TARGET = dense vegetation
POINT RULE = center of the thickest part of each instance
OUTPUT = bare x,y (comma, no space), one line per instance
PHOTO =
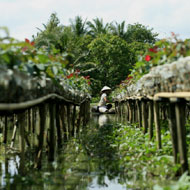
105,53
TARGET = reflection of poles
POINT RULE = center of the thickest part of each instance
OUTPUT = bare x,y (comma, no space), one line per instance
14,131
5,131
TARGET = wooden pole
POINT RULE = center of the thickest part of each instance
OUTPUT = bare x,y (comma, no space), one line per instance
22,122
157,124
73,119
173,131
130,111
181,133
144,116
58,126
69,118
52,111
63,121
42,113
139,113
150,119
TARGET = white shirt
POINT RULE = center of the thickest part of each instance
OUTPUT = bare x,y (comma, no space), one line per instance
102,101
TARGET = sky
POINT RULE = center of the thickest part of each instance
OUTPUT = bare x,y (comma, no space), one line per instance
23,17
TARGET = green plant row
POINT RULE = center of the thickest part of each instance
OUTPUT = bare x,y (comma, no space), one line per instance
42,63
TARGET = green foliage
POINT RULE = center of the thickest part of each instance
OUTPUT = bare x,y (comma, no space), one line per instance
164,51
113,47
38,62
113,58
140,33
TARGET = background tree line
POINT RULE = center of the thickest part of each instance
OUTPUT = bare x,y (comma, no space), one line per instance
105,52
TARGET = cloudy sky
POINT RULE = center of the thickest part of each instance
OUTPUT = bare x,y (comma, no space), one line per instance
23,17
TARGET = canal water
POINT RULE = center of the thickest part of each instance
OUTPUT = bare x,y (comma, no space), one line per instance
85,162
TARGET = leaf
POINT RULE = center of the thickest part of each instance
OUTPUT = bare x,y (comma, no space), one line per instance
54,70
40,67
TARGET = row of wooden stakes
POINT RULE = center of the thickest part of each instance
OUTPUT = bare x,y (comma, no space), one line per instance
43,128
148,113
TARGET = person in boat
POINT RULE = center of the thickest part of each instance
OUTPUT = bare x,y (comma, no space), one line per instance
102,105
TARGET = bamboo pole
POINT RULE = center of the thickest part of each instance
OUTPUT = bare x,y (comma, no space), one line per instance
144,116
150,119
157,124
52,111
73,119
139,113
173,131
63,121
58,126
69,118
21,121
42,113
181,132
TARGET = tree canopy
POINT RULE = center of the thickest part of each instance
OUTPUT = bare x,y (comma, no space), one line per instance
105,52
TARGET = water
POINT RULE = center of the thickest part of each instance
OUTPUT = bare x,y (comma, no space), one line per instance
86,162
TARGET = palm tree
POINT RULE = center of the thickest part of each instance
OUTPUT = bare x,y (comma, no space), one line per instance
97,27
119,29
78,26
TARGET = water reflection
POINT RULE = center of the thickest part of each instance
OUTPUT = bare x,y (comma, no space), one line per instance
84,163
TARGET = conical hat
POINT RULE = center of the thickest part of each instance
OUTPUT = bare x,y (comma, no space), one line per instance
105,88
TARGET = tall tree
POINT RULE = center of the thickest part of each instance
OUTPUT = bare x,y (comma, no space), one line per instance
97,27
140,33
78,26
51,35
119,29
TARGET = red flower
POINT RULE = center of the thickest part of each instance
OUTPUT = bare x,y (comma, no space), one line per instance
27,40
147,57
32,43
154,49
87,77
71,75
89,82
129,78
24,49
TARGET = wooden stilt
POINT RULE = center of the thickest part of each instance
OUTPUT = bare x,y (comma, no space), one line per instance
69,118
139,113
150,119
73,120
42,113
63,121
52,112
157,124
58,126
181,133
22,122
173,130
29,120
144,116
